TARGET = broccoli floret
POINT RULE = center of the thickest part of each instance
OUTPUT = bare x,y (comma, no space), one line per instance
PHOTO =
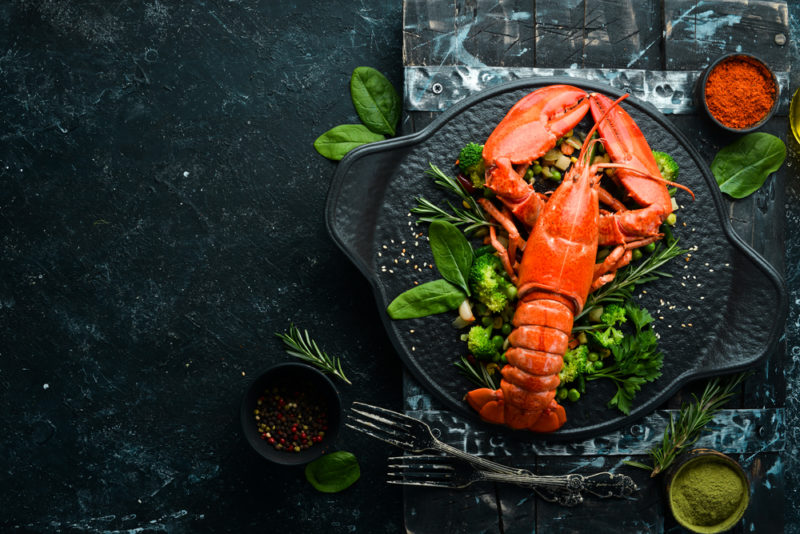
667,166
488,283
609,338
479,343
613,314
470,161
575,362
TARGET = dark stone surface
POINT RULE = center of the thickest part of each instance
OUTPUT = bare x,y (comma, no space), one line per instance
161,216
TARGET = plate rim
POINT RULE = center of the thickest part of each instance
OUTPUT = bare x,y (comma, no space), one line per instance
444,117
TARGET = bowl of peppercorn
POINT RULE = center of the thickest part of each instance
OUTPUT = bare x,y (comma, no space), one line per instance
291,413
738,92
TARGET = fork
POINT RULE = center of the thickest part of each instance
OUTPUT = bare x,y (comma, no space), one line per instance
412,435
448,472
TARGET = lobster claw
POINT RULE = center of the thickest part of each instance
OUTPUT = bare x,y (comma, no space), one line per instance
529,129
628,147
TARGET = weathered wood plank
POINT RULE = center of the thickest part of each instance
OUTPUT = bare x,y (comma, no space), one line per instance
497,32
473,509
429,32
560,33
697,32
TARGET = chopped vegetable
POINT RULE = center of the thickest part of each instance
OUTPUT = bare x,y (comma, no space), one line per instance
470,161
666,165
613,314
488,282
608,338
480,344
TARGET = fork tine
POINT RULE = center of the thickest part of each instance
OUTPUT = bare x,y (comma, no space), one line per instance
377,433
419,467
389,430
423,484
377,411
423,458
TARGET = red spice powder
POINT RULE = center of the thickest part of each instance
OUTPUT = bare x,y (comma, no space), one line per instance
740,92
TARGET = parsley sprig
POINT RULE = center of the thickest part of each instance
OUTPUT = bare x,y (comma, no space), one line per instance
471,218
682,432
300,345
637,360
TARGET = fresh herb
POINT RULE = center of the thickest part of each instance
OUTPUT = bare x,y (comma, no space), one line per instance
479,373
471,217
378,106
637,360
302,346
683,432
742,167
436,296
333,472
452,253
619,290
338,141
375,99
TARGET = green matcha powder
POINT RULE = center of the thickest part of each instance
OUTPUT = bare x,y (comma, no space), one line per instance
706,493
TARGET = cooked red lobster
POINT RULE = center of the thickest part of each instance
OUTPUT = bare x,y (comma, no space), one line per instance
558,268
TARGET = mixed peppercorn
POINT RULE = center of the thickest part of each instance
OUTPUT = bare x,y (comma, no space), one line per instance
290,420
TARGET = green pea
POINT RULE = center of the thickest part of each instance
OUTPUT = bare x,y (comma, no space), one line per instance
593,356
636,254
511,291
505,329
598,365
573,395
555,175
498,341
650,248
529,174
487,320
672,219
537,169
561,394
503,358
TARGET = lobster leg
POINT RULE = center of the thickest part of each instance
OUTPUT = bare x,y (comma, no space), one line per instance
627,146
530,128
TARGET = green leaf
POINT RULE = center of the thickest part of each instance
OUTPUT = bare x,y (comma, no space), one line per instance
340,140
742,167
426,299
333,472
451,252
375,99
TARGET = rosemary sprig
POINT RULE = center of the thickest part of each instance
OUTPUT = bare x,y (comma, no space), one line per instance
621,287
477,373
302,346
683,432
471,218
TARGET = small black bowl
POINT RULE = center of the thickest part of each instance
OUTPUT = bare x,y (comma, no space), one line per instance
300,377
700,91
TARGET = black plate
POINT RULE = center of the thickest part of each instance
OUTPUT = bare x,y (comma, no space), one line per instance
723,311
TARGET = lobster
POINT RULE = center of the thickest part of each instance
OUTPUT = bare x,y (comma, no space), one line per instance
558,268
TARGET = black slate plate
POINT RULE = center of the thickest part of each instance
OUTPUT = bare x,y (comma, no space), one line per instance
723,311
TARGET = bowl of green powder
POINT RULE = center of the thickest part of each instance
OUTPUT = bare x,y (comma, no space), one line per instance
707,491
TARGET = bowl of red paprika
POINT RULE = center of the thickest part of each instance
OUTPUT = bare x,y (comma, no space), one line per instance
291,413
739,92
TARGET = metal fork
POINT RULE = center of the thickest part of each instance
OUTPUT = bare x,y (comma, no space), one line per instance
448,472
413,435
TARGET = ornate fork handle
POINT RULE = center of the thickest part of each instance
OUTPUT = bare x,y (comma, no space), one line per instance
602,485
483,464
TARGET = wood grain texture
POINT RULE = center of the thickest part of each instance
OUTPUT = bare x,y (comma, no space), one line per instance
697,32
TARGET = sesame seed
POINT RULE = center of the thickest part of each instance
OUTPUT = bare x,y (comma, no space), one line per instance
385,247
413,348
411,331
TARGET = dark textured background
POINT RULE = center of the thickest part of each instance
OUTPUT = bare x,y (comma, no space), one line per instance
161,216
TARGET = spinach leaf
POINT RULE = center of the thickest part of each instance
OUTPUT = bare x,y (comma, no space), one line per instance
333,472
426,299
742,167
338,141
451,252
375,99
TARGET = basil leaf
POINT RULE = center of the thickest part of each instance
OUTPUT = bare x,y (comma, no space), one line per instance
375,99
338,141
333,472
742,167
426,299
451,252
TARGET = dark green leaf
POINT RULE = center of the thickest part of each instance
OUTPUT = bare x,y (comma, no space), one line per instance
340,140
375,99
426,299
742,167
451,252
333,472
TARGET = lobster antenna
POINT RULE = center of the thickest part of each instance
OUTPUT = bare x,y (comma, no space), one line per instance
645,174
582,155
